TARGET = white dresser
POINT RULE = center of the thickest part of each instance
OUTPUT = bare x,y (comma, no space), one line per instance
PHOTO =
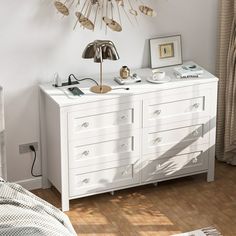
3,172
150,133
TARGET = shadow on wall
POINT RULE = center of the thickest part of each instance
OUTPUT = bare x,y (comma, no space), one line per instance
146,54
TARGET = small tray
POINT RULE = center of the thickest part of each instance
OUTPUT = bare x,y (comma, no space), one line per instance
130,80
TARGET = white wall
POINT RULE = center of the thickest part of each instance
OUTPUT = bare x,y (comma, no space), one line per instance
35,42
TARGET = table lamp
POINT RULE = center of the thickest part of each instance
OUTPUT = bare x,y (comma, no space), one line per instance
101,50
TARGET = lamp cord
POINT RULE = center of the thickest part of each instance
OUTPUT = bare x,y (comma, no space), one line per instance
79,80
120,88
72,75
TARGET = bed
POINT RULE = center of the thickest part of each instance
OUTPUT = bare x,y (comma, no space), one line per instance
22,214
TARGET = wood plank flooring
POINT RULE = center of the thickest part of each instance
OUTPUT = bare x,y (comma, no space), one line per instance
172,207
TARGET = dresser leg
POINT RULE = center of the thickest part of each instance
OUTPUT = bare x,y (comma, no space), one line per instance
65,204
112,193
210,176
211,167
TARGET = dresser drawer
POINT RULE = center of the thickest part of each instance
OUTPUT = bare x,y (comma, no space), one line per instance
176,136
103,177
103,120
105,148
173,106
156,167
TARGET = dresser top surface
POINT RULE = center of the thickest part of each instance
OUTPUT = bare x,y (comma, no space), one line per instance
64,98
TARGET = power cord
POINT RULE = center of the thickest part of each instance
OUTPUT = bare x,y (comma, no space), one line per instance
120,88
35,156
79,80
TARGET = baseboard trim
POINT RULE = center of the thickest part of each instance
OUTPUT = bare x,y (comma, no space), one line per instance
31,184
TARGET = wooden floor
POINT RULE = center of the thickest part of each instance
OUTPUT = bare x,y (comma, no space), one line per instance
171,207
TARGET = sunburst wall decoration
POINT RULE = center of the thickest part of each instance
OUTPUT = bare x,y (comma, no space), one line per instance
98,13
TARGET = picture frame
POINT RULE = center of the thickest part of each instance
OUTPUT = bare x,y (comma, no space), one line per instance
166,51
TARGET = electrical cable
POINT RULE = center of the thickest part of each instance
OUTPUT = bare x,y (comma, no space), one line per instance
120,88
35,156
79,80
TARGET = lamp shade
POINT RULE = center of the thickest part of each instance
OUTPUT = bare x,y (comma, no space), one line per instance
101,50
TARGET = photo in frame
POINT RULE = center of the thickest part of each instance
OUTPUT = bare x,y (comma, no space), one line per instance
166,51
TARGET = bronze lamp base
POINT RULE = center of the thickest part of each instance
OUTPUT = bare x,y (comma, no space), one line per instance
100,89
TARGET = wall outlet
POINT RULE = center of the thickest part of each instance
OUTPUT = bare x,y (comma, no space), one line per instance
24,148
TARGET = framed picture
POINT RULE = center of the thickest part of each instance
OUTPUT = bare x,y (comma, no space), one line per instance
166,51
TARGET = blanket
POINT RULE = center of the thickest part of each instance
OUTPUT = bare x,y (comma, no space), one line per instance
22,213
209,231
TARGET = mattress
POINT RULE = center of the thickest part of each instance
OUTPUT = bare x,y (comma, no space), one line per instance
22,213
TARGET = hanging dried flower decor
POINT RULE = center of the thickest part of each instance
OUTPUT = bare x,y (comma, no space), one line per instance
92,13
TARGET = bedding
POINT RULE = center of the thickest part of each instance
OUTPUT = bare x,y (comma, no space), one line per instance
22,213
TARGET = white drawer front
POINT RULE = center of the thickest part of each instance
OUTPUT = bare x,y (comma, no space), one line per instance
156,139
108,177
102,149
157,111
181,105
103,120
156,168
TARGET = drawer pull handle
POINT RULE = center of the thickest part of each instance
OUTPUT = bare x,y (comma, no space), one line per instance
157,112
85,125
86,181
196,105
85,153
195,133
157,140
194,160
123,117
